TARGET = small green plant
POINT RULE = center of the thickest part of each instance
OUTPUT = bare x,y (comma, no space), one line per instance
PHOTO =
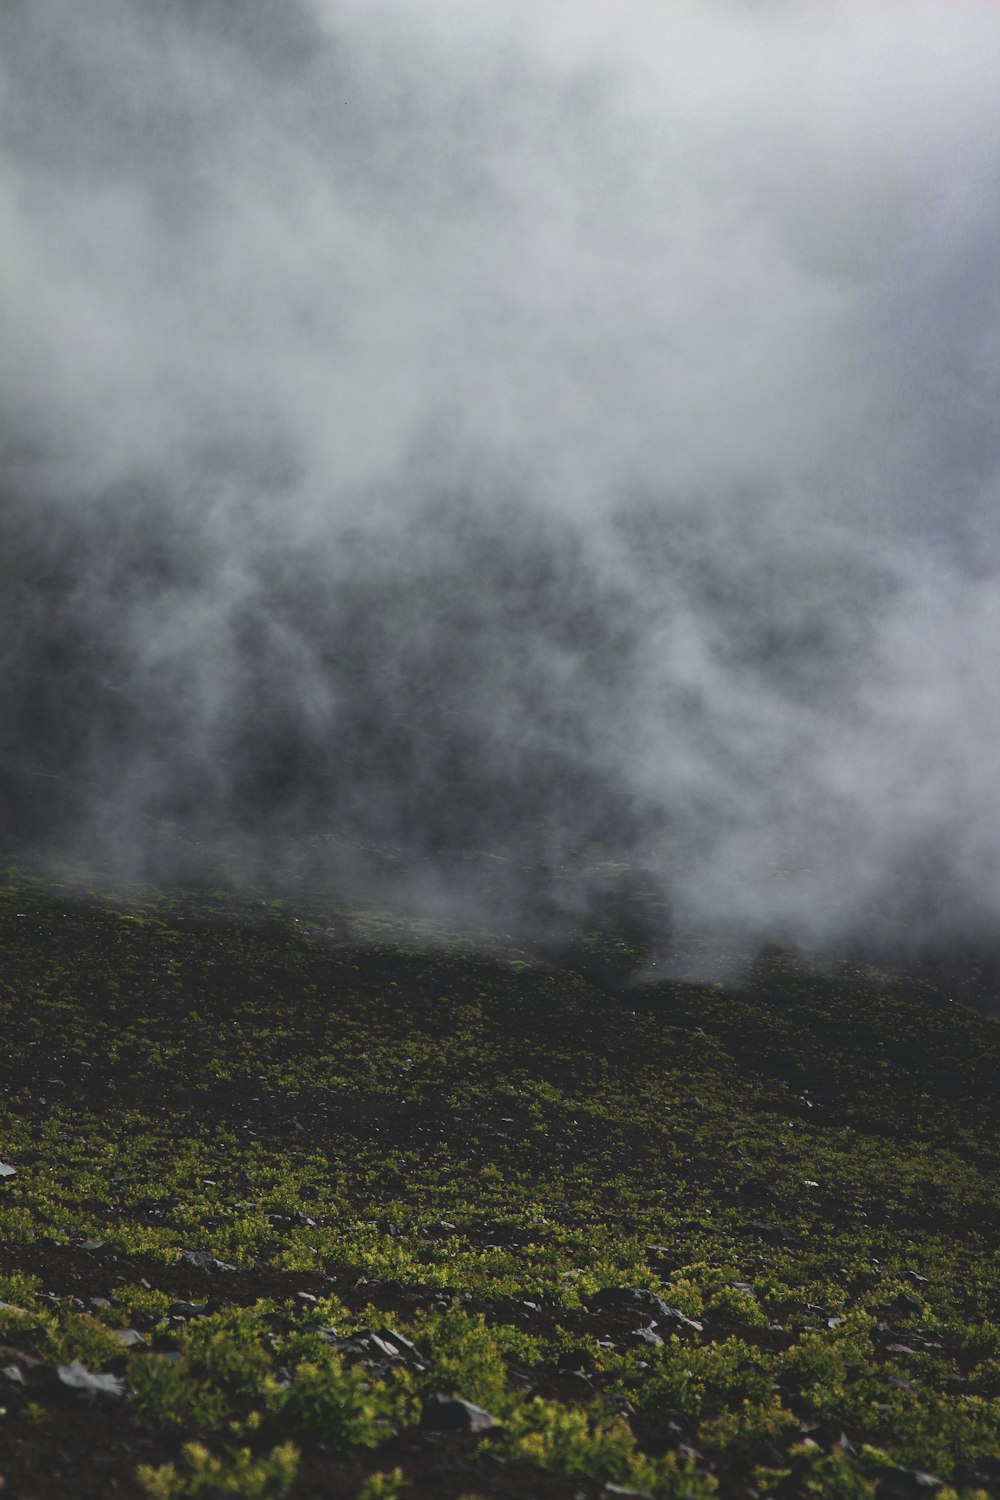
467,1358
167,1398
84,1339
575,1443
206,1475
340,1405
828,1476
730,1305
385,1484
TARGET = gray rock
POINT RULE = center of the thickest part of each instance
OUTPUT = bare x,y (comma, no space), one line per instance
204,1260
646,1336
351,1343
187,1309
77,1378
130,1337
640,1299
907,1483
450,1414
402,1345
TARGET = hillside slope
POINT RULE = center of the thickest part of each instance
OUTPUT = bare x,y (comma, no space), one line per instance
279,1179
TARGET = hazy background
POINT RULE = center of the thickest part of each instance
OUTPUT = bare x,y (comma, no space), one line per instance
462,450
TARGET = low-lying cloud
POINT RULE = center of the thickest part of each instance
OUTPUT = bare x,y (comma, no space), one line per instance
561,434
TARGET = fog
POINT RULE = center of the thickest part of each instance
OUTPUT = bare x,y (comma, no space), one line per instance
480,457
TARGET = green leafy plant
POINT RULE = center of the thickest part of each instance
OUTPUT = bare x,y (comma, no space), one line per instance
238,1472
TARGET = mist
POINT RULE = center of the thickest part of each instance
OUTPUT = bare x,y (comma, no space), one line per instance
482,458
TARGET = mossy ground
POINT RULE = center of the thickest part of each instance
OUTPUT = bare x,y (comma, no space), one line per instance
287,1173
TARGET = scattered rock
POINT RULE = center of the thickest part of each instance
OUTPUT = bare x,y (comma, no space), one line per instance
204,1260
910,1482
400,1342
402,1345
380,1346
351,1343
450,1414
630,1297
641,1299
776,1234
77,1378
187,1309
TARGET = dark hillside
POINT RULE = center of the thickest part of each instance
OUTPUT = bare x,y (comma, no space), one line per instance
282,1178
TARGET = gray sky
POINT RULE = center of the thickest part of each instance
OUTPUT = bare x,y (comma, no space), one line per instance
533,428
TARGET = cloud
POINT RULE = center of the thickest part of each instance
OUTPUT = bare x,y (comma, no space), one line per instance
561,432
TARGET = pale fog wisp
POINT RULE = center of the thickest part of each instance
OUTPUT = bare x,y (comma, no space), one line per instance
471,451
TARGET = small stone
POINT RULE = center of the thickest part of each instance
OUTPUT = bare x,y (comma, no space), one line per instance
646,1336
77,1378
778,1234
641,1299
402,1345
627,1297
451,1414
353,1343
913,1482
130,1337
382,1347
204,1260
